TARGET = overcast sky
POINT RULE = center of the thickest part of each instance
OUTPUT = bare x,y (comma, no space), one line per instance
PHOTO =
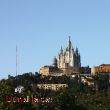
40,27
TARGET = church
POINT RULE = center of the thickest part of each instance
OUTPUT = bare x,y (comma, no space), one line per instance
69,58
68,62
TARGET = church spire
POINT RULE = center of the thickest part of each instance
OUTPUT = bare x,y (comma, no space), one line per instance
61,50
69,39
69,44
77,50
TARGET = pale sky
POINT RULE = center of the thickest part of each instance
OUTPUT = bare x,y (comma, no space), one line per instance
40,27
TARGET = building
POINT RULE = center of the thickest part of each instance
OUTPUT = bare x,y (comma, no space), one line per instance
54,87
104,68
68,62
88,80
19,89
69,58
85,70
51,70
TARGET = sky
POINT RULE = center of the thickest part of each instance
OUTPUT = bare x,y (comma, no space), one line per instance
40,27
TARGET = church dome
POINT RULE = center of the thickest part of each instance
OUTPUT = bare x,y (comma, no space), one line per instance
54,61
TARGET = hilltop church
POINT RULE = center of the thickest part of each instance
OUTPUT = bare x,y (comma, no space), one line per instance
68,62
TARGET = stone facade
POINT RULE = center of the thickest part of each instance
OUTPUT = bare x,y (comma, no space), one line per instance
69,58
54,87
68,63
85,70
104,68
51,70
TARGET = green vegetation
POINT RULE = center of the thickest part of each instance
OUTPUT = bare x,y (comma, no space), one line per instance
76,97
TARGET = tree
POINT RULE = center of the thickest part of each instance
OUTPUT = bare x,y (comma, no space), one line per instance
102,82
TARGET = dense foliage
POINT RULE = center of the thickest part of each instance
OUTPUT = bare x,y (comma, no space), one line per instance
76,97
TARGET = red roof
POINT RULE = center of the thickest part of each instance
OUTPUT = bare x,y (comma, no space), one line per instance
105,65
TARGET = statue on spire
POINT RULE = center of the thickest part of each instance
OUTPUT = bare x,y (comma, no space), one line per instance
69,38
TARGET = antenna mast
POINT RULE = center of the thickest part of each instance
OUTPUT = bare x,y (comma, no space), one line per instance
16,60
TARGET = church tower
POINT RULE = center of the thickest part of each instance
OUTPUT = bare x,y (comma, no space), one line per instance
69,58
68,62
60,58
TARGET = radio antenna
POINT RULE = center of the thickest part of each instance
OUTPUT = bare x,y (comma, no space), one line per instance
16,60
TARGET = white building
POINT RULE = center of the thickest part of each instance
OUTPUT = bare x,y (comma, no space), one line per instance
69,58
19,89
68,62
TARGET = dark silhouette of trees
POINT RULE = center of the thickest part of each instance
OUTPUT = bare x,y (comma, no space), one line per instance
76,97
